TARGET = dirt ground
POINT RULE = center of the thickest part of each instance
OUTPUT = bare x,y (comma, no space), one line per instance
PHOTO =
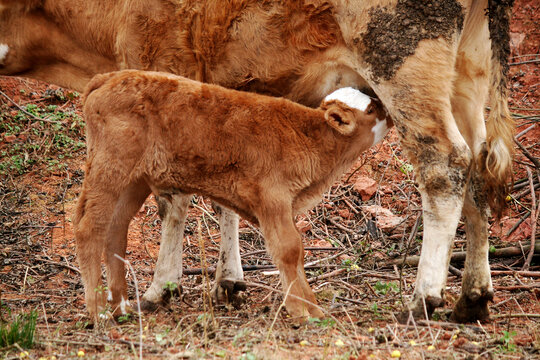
356,276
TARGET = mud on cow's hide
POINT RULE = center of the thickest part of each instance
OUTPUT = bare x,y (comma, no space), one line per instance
434,64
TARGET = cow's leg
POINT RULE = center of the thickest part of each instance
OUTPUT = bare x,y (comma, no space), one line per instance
477,289
470,93
418,98
169,264
229,274
127,205
285,246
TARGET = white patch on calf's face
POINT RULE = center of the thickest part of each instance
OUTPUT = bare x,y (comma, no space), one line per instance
351,97
379,130
3,52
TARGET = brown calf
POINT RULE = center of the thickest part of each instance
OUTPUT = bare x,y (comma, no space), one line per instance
267,158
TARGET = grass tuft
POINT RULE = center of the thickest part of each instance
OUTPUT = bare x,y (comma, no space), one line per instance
20,331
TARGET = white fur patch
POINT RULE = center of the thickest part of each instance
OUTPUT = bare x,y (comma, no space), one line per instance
3,52
379,131
123,304
350,97
109,295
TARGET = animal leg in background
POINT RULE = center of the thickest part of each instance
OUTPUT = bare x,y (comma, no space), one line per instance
173,212
422,114
472,79
229,274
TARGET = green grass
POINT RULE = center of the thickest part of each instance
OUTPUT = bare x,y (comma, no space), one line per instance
48,136
20,330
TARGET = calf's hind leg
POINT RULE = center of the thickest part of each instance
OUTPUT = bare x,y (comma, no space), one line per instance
126,206
90,226
100,223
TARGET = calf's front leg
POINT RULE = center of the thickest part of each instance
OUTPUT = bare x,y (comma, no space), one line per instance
285,246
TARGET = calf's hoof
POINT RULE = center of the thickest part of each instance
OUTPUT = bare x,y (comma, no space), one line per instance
417,311
472,306
226,291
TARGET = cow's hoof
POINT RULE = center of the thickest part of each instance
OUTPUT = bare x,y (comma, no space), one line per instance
226,291
148,306
166,295
416,309
472,306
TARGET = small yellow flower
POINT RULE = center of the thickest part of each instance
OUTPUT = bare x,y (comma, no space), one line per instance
412,342
454,337
80,353
303,343
395,354
355,267
370,330
508,198
431,348
371,356
23,354
475,343
339,343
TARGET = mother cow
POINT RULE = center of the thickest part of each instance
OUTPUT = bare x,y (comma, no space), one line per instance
432,63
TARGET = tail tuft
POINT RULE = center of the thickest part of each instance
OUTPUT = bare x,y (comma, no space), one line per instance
496,163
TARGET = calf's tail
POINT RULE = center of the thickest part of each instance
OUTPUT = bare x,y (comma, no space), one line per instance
95,83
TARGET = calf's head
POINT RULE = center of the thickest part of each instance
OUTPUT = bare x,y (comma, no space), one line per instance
354,114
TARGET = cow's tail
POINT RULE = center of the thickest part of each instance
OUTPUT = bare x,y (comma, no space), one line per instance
497,163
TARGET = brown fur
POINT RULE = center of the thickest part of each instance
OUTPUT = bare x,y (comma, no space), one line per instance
434,79
266,158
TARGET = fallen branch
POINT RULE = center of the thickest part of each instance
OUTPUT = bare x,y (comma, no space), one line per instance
460,255
59,264
247,268
516,225
525,62
520,273
448,325
529,156
527,263
327,275
514,316
518,287
28,113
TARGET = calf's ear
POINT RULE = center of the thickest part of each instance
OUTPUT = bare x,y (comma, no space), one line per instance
340,118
